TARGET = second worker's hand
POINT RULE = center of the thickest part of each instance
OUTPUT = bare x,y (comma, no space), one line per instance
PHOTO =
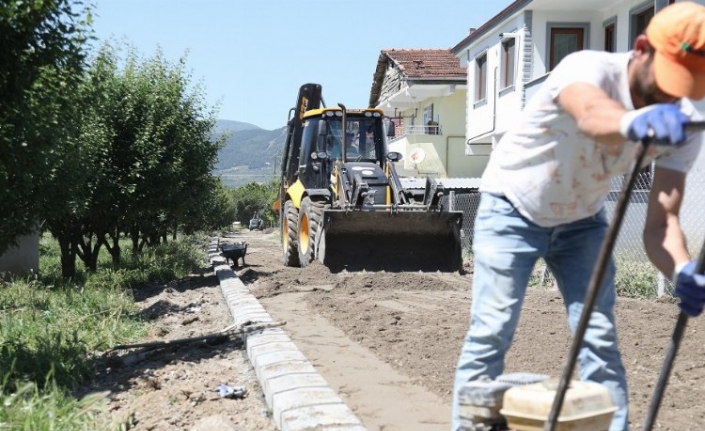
690,288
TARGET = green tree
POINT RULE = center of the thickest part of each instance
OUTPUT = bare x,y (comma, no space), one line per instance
215,211
42,55
252,199
165,147
75,186
143,155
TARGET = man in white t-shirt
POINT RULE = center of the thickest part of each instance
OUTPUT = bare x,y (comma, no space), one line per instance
544,188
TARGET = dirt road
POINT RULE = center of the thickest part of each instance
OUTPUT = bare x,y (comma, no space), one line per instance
388,342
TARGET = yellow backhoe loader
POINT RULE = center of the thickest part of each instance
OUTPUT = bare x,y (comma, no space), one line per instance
341,200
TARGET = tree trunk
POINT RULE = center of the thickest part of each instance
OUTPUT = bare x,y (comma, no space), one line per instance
66,230
88,252
68,256
135,237
114,250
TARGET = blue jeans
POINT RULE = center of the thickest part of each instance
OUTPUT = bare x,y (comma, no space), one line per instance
506,247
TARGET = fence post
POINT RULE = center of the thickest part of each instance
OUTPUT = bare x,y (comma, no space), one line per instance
661,285
451,201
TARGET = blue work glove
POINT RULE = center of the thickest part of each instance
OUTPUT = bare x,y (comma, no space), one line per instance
663,122
690,288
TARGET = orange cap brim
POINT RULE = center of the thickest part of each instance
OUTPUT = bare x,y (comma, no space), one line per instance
676,80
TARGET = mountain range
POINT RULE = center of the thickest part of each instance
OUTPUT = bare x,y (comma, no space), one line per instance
250,154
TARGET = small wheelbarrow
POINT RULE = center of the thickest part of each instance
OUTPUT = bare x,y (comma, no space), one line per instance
234,252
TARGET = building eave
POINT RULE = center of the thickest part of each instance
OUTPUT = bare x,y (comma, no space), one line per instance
411,94
489,25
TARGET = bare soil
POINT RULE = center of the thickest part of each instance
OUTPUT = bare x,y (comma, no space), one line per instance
386,342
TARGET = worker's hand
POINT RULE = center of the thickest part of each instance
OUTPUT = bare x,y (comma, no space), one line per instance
663,122
690,288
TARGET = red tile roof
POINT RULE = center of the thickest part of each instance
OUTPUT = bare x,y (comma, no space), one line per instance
416,64
426,63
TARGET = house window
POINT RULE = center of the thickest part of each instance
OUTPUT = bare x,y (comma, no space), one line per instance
508,55
564,40
481,78
610,37
639,19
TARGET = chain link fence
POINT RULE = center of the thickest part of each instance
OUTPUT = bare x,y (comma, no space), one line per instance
636,276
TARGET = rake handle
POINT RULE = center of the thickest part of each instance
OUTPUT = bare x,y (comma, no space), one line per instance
670,358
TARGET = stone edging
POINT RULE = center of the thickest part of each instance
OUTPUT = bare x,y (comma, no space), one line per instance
299,398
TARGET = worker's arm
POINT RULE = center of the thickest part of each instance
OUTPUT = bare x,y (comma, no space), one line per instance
608,122
663,239
596,114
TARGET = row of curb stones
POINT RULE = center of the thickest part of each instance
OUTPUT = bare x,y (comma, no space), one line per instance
298,396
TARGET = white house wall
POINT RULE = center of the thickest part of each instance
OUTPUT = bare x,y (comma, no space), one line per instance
596,21
22,259
483,119
449,112
541,20
483,126
452,119
488,120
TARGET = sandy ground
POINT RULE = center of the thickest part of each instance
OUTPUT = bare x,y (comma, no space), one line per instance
386,342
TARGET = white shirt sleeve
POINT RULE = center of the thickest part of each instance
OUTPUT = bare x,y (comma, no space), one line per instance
580,66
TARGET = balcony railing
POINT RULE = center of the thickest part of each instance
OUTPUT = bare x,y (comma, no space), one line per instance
433,129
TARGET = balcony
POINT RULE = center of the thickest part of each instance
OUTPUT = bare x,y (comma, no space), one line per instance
416,132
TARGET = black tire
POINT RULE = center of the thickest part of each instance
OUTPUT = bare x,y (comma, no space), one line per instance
310,220
289,231
321,237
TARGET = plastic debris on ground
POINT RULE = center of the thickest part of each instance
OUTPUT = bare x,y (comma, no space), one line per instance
226,391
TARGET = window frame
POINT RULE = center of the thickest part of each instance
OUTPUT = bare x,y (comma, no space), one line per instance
554,29
509,61
636,20
610,34
481,68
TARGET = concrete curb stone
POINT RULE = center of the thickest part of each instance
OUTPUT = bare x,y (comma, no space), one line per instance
298,396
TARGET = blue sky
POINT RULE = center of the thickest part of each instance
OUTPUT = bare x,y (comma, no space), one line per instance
251,56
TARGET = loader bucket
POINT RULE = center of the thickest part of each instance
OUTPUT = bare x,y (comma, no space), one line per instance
382,240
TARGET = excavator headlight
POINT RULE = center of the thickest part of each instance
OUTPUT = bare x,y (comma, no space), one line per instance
394,156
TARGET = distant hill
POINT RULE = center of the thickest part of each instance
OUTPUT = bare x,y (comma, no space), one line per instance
250,154
234,126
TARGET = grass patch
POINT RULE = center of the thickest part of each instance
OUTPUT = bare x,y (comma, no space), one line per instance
31,408
50,328
634,279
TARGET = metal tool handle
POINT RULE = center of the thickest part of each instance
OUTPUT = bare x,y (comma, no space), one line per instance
695,126
594,287
678,332
596,280
670,359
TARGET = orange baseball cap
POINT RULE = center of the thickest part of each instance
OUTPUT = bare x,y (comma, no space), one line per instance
677,34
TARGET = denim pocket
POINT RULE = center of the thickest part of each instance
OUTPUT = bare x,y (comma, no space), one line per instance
494,205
